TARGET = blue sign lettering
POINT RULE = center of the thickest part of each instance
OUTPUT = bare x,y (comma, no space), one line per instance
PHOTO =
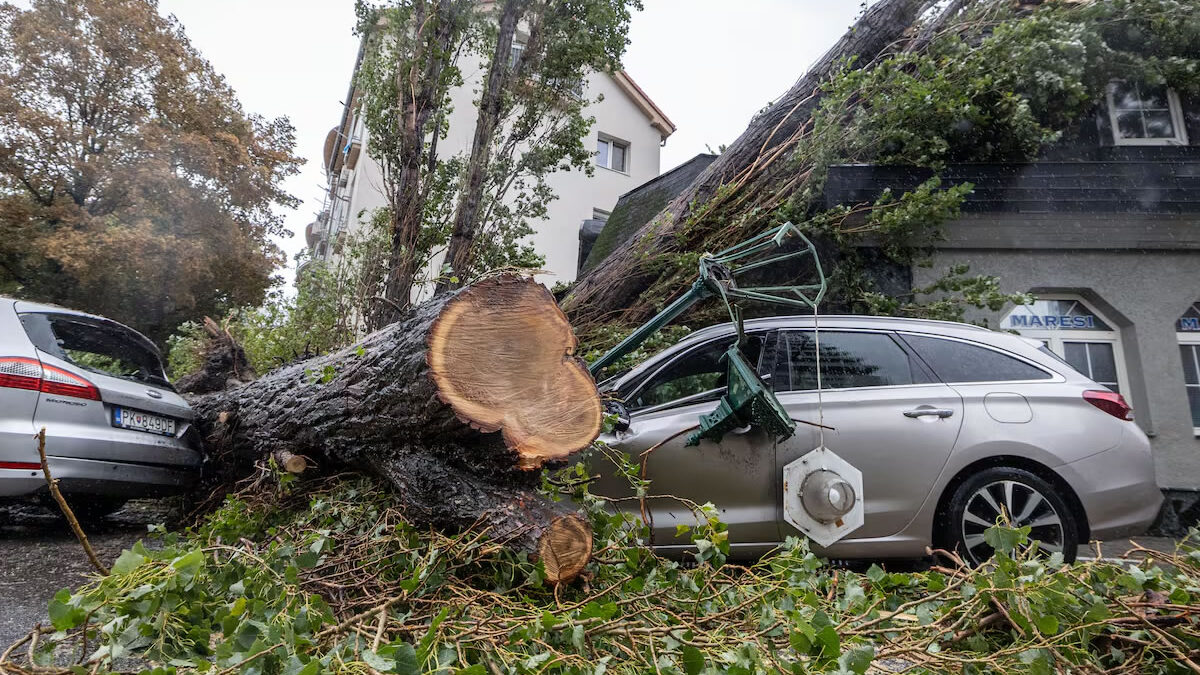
1189,323
1063,321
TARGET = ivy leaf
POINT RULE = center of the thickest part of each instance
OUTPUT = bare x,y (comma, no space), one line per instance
599,610
875,573
1047,624
63,615
693,660
829,640
126,563
383,665
857,660
1005,539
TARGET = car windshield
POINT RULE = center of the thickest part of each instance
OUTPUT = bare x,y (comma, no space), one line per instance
97,346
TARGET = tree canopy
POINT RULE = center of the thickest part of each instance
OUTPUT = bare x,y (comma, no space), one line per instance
477,206
132,182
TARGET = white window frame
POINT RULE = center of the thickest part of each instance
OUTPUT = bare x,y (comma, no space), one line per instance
1177,121
1054,338
602,138
1189,339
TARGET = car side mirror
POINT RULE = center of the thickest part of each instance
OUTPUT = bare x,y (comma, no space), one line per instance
614,407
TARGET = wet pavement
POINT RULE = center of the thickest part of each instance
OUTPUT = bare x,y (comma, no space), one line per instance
39,555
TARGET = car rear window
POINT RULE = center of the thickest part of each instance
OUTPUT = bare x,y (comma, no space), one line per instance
955,361
97,346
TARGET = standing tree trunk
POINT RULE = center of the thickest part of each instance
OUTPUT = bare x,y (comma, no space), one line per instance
755,167
491,108
456,406
421,93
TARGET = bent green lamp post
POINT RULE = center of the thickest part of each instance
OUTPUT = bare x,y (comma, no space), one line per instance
747,399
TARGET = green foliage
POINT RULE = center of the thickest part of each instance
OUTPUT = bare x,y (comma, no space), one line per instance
296,580
996,85
597,342
325,314
490,197
950,296
132,182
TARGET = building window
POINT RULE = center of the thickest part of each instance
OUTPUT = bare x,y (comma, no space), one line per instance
1188,330
514,54
612,154
1144,114
1077,334
601,215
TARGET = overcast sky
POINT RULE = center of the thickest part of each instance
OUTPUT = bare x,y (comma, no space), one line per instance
709,64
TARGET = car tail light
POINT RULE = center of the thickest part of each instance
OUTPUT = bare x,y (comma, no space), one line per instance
31,374
23,466
1110,402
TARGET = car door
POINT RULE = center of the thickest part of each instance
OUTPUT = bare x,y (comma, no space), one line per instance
736,474
126,374
889,417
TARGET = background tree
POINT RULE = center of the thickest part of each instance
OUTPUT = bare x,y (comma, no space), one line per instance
132,183
530,123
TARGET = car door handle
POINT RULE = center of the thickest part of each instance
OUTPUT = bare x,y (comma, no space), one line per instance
924,412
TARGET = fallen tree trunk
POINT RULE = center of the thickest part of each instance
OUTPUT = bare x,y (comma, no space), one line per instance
752,176
456,406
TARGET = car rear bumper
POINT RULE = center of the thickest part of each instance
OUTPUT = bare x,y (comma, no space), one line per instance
87,476
1117,488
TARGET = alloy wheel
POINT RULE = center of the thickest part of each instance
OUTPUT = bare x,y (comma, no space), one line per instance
1021,505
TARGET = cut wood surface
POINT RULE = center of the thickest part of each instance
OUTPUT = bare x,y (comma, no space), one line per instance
455,406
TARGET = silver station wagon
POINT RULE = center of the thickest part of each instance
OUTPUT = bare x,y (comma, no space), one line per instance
950,425
115,428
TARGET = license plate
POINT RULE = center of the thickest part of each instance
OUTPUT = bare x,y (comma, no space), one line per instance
140,421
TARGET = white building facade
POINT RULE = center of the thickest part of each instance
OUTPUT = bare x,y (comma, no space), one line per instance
627,136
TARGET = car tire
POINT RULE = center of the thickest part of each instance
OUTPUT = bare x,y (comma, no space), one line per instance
1026,497
93,509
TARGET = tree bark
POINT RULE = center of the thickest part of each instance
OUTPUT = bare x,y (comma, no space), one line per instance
466,217
420,98
455,407
756,161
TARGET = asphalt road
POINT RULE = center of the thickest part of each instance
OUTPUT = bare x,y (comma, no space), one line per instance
39,556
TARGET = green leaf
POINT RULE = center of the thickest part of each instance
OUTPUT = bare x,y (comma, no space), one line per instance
829,640
875,573
693,660
64,616
1005,539
598,610
378,662
126,563
857,660
1047,624
405,657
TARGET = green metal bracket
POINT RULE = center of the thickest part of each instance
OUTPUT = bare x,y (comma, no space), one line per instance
747,399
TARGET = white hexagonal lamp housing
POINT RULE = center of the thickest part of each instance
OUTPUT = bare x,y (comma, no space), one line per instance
824,532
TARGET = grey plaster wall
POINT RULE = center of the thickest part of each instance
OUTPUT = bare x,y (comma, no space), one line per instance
1144,293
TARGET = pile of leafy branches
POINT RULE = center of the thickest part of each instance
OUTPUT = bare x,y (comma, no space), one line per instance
307,577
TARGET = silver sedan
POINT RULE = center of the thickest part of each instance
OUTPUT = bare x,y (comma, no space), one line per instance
950,424
115,428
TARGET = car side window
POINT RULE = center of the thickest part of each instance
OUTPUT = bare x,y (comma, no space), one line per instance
701,370
848,360
961,362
